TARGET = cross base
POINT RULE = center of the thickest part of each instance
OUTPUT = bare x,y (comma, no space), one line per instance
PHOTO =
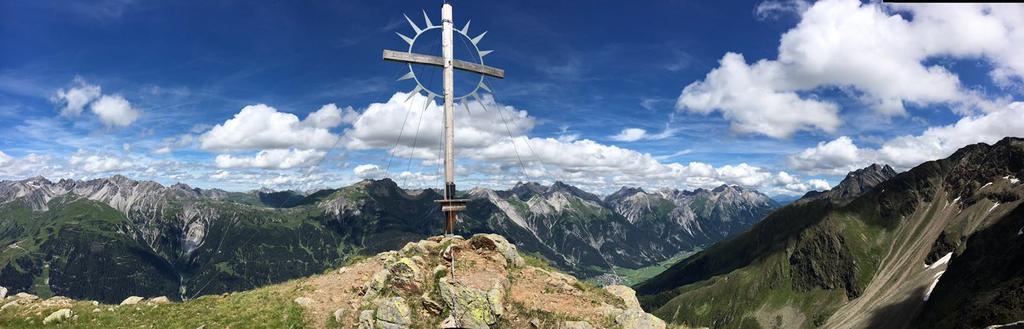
450,207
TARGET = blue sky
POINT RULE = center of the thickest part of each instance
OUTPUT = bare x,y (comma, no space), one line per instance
782,96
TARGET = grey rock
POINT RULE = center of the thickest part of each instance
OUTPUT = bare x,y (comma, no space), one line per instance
577,325
58,316
132,300
393,312
625,293
303,301
638,319
366,320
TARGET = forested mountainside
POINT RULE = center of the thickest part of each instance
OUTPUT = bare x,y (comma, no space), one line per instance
937,246
105,239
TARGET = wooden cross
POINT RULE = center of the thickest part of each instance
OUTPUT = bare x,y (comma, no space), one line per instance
449,205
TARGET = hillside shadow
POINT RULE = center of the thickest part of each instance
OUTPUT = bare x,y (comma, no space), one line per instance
898,315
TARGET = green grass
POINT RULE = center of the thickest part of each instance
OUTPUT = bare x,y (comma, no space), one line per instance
262,308
634,276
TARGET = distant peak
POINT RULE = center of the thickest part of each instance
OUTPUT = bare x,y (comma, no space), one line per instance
726,187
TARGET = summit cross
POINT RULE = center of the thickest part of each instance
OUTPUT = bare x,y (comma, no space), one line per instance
450,205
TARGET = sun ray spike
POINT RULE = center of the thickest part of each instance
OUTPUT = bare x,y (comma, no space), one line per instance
465,29
485,52
414,26
427,19
407,76
407,39
415,91
478,38
485,87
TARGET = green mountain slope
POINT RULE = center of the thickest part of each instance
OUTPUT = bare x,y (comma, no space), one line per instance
859,262
185,242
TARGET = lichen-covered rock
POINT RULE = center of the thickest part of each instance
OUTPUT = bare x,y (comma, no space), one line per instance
366,320
58,316
430,305
404,275
376,283
626,294
498,243
637,319
473,307
496,298
577,325
413,248
392,313
132,300
428,245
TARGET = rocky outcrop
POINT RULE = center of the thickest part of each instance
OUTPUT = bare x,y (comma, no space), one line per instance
491,286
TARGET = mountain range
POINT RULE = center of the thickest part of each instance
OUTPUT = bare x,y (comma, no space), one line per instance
938,246
105,239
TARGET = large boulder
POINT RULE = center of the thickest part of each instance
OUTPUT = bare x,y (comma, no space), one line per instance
392,313
498,243
638,319
58,316
627,294
472,308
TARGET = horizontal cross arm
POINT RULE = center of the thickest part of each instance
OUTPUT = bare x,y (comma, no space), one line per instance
406,57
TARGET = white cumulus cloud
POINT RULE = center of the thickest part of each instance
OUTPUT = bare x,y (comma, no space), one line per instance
76,97
114,110
263,127
875,52
271,159
842,155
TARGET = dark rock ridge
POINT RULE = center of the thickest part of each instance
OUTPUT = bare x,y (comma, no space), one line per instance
855,183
